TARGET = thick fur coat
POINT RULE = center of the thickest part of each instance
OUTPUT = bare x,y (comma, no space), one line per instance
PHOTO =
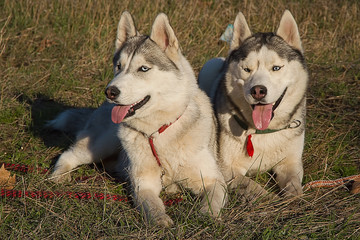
259,95
154,88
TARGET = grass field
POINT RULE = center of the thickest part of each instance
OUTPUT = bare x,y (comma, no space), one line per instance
57,54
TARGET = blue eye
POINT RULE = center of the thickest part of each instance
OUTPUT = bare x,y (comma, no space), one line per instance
144,69
247,70
276,68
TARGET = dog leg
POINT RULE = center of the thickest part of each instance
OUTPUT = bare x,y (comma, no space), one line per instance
206,179
289,175
86,150
235,178
77,154
234,175
249,189
214,197
147,190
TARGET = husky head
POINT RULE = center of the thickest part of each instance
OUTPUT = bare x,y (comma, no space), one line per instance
151,76
267,67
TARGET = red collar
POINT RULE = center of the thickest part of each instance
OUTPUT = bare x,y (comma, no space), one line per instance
151,142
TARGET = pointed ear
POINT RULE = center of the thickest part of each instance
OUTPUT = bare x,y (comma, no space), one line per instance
163,34
288,30
126,28
241,31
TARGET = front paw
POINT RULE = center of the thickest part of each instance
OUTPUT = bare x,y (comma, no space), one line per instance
293,189
172,189
163,220
59,177
211,211
250,190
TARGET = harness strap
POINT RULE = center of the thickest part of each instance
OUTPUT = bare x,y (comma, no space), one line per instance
151,140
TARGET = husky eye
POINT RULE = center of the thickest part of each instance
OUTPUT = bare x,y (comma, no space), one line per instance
276,68
247,70
144,69
118,66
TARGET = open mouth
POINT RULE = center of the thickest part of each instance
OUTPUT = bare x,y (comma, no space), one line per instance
120,112
263,113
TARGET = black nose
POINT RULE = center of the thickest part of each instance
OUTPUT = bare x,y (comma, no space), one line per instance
258,92
112,92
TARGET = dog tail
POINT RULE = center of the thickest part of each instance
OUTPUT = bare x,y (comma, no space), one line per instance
71,121
210,76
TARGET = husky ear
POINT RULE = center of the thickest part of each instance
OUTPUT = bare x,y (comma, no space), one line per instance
163,35
288,30
126,28
241,31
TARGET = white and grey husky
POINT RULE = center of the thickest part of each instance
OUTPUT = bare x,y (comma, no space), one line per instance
156,119
258,93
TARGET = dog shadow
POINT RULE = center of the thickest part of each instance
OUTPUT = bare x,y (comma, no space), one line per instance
44,109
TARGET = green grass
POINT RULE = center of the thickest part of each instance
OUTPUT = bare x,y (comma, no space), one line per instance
57,54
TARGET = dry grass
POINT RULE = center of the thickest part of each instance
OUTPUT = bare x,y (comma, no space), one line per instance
57,54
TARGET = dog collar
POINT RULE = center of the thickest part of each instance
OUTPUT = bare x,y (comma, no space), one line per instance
294,124
249,146
151,140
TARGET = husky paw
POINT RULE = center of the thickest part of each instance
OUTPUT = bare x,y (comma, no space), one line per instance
213,212
60,178
263,195
251,190
172,189
61,171
163,220
293,189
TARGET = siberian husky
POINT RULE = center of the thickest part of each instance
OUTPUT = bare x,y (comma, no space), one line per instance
156,119
258,93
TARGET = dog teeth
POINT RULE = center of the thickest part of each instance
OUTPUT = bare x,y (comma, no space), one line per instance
135,103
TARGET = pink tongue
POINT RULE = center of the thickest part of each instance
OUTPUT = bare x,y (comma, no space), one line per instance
262,116
118,113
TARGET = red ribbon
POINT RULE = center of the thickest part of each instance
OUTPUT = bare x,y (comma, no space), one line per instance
249,146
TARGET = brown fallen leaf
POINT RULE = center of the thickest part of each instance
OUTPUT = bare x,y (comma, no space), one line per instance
45,43
6,181
355,188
